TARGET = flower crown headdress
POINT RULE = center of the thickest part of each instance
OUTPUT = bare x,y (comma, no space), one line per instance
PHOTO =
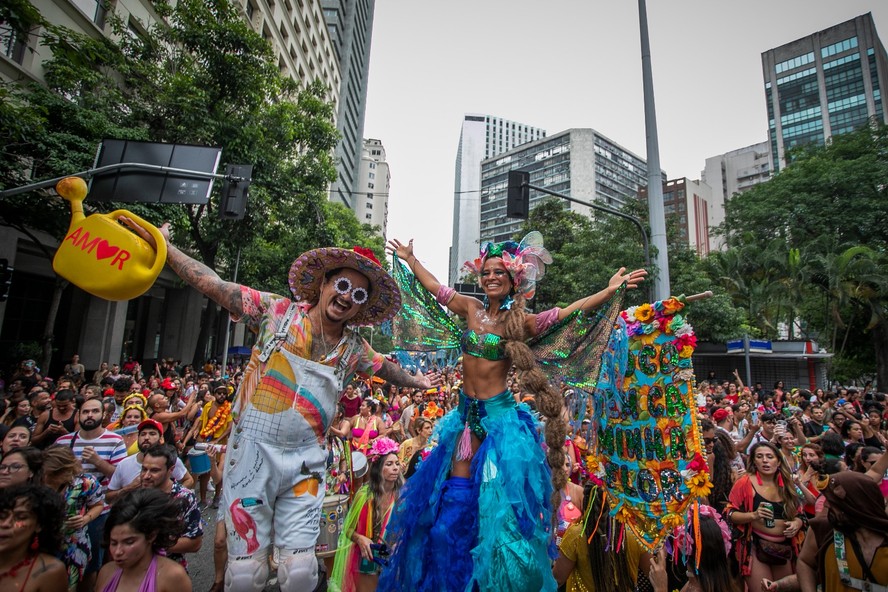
525,261
686,533
382,447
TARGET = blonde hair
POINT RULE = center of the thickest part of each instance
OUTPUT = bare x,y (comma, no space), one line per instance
61,460
548,400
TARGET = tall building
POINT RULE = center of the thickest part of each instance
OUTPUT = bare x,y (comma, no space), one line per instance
350,24
371,197
694,209
581,163
295,29
824,84
738,170
481,137
167,318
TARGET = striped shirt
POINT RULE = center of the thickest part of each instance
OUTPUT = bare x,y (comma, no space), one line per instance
109,446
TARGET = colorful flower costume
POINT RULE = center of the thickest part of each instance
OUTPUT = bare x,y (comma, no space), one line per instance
491,531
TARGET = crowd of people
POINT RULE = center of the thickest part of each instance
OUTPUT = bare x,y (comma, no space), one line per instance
333,458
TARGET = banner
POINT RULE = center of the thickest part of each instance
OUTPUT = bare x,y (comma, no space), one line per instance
646,444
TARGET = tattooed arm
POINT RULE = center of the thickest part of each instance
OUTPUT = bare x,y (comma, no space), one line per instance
396,375
195,273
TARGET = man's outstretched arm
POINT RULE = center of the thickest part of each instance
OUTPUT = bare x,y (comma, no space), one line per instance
196,274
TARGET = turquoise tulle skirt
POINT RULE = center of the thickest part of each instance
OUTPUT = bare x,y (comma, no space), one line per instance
491,532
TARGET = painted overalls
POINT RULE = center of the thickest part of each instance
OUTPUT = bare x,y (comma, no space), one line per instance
273,486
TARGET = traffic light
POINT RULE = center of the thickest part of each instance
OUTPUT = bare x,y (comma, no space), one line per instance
5,279
518,196
233,205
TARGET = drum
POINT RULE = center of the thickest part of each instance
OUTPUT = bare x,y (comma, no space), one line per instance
333,515
359,465
199,461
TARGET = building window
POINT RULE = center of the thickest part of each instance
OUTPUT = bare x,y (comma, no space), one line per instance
372,175
250,10
11,46
368,216
372,165
369,196
370,186
369,205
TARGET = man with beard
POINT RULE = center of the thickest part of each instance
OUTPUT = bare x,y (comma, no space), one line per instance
40,402
99,452
158,464
848,550
122,388
127,475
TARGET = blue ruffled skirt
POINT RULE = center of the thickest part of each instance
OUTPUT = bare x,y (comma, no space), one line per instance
490,532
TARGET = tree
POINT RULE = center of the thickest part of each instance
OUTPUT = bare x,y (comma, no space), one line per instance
810,245
201,76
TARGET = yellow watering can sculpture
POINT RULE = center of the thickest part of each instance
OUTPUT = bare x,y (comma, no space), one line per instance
101,256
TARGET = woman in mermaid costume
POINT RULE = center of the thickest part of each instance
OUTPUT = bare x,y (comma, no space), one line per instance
477,513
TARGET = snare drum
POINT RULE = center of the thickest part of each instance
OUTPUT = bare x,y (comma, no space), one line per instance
333,514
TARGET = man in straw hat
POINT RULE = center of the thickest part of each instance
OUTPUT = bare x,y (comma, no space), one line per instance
305,354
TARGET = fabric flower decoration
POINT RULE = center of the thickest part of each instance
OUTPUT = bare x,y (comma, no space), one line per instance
644,313
700,485
368,253
686,352
686,340
684,329
630,314
672,521
672,306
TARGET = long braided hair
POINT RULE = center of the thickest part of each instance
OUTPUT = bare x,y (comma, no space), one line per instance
548,399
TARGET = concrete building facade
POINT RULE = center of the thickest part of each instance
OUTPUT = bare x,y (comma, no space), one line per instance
373,182
695,210
581,163
350,26
738,170
481,137
166,320
825,84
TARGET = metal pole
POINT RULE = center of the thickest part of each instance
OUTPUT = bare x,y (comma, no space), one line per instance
119,166
746,355
655,184
595,206
228,320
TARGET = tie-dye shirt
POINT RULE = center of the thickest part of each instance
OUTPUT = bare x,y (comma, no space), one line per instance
263,312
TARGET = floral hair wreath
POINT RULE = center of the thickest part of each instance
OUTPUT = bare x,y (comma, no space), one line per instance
382,447
684,534
525,261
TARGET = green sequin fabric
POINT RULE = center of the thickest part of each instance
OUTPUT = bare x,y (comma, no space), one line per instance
571,350
421,325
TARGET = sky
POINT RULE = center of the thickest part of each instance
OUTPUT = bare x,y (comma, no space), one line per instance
560,64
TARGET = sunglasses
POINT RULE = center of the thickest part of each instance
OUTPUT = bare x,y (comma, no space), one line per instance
708,441
343,286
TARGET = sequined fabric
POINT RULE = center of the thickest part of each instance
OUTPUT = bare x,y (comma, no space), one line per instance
421,325
484,345
571,350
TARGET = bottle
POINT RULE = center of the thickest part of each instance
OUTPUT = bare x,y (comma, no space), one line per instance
207,446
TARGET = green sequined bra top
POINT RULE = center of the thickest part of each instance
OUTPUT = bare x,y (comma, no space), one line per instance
486,345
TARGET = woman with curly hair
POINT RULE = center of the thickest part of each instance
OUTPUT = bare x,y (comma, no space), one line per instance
30,536
361,550
723,474
478,512
765,507
142,523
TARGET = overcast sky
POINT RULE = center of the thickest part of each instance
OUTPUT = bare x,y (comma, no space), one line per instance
560,64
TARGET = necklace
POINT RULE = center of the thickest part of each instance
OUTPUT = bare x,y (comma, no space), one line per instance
323,340
13,571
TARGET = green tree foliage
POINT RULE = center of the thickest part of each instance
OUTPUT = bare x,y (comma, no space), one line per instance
588,251
200,75
808,249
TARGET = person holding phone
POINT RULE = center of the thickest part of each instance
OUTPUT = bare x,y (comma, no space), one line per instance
361,551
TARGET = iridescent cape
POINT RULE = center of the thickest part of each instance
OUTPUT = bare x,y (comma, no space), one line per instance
569,351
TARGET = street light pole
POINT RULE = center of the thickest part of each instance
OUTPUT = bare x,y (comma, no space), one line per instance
656,213
602,208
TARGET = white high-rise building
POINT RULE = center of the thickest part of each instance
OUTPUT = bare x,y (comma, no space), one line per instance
481,137
350,25
370,202
738,170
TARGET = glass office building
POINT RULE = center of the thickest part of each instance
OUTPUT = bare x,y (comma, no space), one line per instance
825,84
